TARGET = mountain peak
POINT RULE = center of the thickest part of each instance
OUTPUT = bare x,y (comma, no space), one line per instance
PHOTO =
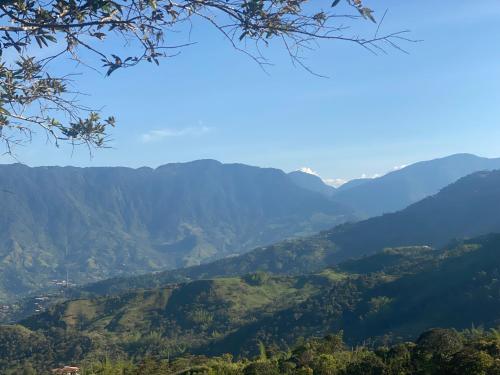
311,182
195,163
398,189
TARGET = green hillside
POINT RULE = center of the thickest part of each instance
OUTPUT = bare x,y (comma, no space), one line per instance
455,287
388,297
171,320
467,208
96,223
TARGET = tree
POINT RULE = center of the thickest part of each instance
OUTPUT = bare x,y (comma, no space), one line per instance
32,96
435,348
368,364
439,341
470,361
261,367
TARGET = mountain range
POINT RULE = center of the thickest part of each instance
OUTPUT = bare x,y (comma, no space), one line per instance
90,224
398,189
95,223
467,208
388,297
311,182
381,280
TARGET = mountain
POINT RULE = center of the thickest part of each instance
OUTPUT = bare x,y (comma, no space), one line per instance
353,183
311,182
464,209
457,287
388,297
183,315
176,318
397,190
95,223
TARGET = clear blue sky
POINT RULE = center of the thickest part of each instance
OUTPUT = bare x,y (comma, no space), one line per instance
372,114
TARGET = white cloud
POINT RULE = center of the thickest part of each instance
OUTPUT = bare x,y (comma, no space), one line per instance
375,175
160,134
309,171
398,167
335,182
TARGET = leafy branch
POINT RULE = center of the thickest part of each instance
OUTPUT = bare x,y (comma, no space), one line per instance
31,98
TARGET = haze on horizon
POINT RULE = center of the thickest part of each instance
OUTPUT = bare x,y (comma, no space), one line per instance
374,113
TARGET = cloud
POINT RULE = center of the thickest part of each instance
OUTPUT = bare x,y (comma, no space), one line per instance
398,167
309,171
335,182
161,134
376,175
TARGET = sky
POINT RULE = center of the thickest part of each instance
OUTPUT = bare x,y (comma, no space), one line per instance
373,114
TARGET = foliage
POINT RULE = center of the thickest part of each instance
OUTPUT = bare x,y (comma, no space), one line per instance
96,223
464,209
135,226
32,95
478,356
264,320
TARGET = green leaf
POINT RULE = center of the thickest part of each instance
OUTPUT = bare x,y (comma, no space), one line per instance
152,3
51,38
3,111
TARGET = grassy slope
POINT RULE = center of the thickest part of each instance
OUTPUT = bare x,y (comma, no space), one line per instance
465,209
456,287
98,223
392,295
182,315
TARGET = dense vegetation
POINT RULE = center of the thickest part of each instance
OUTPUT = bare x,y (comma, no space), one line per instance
435,352
97,223
464,209
380,300
258,306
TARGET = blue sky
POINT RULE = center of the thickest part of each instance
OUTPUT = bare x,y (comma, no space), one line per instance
374,113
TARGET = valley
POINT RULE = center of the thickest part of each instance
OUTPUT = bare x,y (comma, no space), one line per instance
374,280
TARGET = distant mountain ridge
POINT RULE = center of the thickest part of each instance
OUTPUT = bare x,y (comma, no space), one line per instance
397,190
464,209
311,182
353,183
99,223
95,223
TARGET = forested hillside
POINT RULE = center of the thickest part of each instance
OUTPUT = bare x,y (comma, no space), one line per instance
384,298
398,189
456,287
95,223
99,223
435,352
464,209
